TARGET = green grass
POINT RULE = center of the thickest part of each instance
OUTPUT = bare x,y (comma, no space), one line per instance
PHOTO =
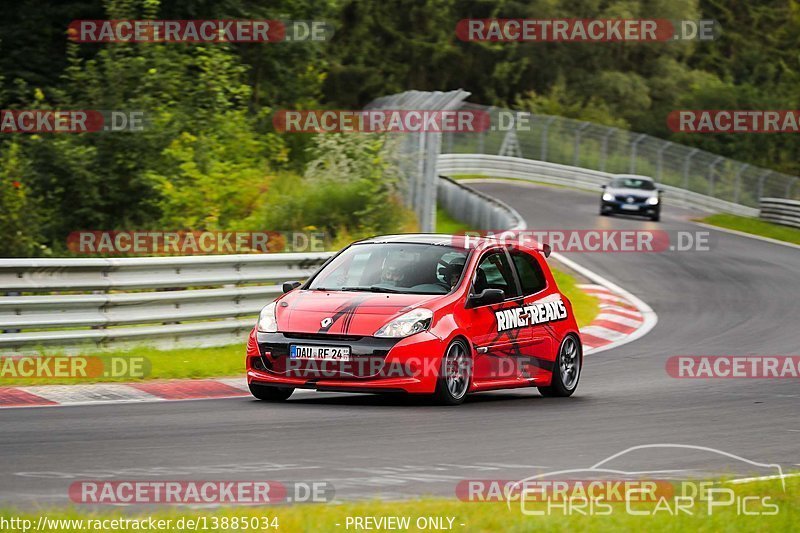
447,224
585,306
478,517
163,364
754,226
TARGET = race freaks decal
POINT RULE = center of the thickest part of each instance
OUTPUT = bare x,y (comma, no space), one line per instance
538,313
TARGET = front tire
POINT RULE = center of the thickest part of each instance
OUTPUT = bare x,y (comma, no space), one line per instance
567,369
455,374
270,394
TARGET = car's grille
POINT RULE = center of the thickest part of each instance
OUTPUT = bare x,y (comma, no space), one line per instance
323,337
636,199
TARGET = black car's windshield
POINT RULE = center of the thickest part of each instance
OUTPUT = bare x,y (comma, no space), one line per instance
394,268
633,183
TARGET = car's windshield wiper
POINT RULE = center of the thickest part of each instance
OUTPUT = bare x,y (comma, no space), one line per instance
373,288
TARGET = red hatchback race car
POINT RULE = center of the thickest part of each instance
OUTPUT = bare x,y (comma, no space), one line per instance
422,314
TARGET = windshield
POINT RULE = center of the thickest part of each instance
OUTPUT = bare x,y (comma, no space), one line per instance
633,183
394,268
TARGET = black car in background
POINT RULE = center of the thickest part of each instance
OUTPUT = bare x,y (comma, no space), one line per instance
630,194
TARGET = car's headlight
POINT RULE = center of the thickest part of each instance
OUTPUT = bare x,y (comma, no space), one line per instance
407,324
607,197
653,200
267,321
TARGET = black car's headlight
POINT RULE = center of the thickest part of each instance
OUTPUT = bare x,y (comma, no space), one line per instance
607,197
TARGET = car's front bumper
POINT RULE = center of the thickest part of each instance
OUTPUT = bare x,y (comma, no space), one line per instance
625,208
376,365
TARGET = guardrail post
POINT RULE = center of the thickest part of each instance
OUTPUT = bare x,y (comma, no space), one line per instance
634,144
577,147
660,160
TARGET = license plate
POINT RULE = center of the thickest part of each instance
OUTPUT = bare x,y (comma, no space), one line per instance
628,207
320,353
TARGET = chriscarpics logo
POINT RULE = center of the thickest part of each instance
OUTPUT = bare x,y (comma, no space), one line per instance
538,313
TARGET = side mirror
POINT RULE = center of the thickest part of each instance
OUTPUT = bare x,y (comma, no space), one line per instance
546,250
290,285
603,186
660,191
487,297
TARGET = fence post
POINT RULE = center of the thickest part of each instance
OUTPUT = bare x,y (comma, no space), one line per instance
737,188
789,187
660,160
710,176
761,179
604,150
686,163
544,137
635,142
577,148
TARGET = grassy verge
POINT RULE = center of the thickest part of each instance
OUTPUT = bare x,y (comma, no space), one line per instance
754,226
159,364
474,517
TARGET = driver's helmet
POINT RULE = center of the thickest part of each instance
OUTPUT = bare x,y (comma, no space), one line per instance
394,271
453,271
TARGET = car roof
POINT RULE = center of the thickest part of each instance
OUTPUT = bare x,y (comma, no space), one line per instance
436,239
441,239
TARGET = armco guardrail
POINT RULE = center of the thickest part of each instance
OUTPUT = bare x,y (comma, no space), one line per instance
198,301
531,170
781,211
476,209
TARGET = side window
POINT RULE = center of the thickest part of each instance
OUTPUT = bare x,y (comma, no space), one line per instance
494,272
530,273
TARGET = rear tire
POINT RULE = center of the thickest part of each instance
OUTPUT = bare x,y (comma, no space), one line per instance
455,374
270,394
567,369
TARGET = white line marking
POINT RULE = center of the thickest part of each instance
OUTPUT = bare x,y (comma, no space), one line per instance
624,321
761,478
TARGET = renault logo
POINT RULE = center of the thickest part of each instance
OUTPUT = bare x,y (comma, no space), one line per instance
326,322
630,199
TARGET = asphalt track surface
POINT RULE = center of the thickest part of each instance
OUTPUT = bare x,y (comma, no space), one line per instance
739,298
